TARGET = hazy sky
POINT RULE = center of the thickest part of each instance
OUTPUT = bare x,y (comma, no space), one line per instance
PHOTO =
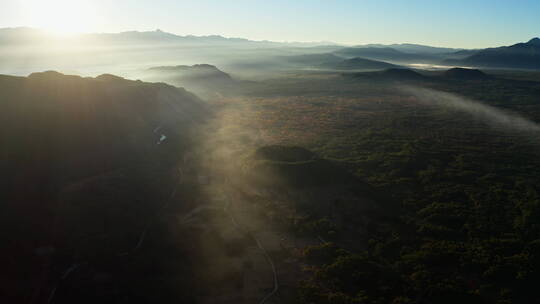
454,23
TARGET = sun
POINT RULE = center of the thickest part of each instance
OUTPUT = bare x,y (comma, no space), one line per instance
62,17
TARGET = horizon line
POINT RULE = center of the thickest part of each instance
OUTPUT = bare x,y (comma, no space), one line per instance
318,43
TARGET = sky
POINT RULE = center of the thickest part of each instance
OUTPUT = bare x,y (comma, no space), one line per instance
456,23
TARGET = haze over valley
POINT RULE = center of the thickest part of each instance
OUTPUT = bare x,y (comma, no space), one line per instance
152,167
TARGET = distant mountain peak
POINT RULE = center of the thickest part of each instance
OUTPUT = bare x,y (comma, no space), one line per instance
205,66
523,55
109,77
535,41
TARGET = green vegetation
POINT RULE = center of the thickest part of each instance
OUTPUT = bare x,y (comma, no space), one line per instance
469,224
458,204
293,166
408,200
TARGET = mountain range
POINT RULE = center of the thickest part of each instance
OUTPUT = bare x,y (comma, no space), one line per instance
382,53
520,56
26,35
413,48
134,46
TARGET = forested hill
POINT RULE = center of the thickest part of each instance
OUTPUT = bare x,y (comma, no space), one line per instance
92,124
84,157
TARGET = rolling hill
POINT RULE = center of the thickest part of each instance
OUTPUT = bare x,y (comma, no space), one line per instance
465,74
85,162
195,72
200,78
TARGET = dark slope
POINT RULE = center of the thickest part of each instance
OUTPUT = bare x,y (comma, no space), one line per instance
200,78
520,55
61,118
460,55
82,173
194,72
359,64
465,74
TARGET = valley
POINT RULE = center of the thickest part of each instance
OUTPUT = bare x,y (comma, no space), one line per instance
208,169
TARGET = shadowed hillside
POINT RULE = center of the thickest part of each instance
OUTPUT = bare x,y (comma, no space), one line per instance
85,163
465,74
201,78
518,56
202,72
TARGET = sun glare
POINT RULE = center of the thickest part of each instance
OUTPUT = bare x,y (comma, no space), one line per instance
61,17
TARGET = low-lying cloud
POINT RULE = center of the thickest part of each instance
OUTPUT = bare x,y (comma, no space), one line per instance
488,114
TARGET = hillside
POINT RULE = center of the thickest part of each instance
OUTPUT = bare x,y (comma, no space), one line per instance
64,117
85,162
200,78
465,74
521,55
192,73
459,55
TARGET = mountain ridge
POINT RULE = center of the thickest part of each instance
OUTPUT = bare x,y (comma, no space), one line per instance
523,55
37,35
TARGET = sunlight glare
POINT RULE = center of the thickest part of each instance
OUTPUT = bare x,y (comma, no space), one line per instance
61,17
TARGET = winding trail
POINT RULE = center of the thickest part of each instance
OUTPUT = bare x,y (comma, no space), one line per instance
275,288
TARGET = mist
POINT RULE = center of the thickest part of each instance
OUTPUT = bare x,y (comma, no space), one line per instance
130,54
493,116
207,169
